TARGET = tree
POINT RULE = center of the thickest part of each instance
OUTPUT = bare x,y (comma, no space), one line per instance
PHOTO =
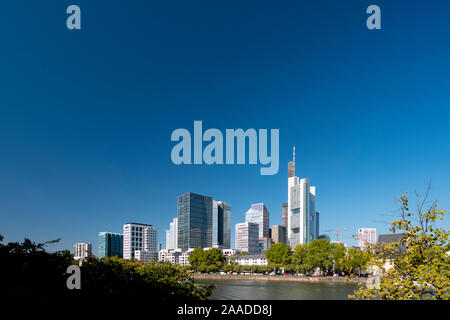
196,258
355,260
30,274
300,253
319,254
278,254
422,271
206,260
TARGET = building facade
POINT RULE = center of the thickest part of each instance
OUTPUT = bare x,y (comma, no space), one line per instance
221,233
110,244
82,250
251,260
138,237
279,234
259,214
194,221
246,237
145,255
284,214
366,236
172,235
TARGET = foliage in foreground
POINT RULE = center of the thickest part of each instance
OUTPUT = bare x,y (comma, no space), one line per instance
317,254
422,271
27,271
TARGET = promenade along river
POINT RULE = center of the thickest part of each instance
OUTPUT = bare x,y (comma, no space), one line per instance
278,290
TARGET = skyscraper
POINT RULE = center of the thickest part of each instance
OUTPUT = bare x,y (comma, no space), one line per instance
110,244
302,217
246,237
279,234
284,214
82,250
366,236
221,224
194,221
138,236
172,235
259,214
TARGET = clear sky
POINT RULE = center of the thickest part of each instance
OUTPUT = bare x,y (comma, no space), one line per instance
86,116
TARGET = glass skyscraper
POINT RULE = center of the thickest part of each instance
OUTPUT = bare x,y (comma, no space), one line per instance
221,224
194,221
110,244
259,214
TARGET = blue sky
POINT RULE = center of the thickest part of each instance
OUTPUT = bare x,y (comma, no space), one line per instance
86,116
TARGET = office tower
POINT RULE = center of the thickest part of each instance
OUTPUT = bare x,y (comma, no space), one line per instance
138,236
221,213
194,221
172,235
82,250
302,218
110,244
284,214
246,237
279,234
259,214
366,236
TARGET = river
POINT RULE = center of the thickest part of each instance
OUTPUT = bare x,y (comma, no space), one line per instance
278,290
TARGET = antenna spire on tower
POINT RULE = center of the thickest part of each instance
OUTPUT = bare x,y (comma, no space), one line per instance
294,158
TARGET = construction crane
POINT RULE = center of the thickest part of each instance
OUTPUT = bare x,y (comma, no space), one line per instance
337,232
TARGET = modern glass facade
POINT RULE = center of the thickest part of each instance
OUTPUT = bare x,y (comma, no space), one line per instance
110,244
259,214
194,221
221,214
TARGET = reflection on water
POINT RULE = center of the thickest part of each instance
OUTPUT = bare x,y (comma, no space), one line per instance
278,290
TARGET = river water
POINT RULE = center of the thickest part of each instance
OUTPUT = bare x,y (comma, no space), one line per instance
278,290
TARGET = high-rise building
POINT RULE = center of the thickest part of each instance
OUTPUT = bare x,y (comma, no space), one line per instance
110,244
194,221
284,214
259,214
302,216
279,234
246,237
366,236
221,214
82,250
172,235
138,236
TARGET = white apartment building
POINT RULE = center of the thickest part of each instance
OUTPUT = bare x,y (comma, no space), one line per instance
145,256
138,236
172,255
82,250
251,260
184,257
366,236
246,237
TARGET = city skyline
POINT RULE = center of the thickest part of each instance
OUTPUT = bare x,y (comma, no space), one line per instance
86,116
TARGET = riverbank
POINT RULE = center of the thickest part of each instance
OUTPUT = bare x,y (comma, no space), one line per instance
278,278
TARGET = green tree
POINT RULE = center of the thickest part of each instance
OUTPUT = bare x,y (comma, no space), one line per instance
197,258
300,253
278,254
422,271
355,260
319,254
